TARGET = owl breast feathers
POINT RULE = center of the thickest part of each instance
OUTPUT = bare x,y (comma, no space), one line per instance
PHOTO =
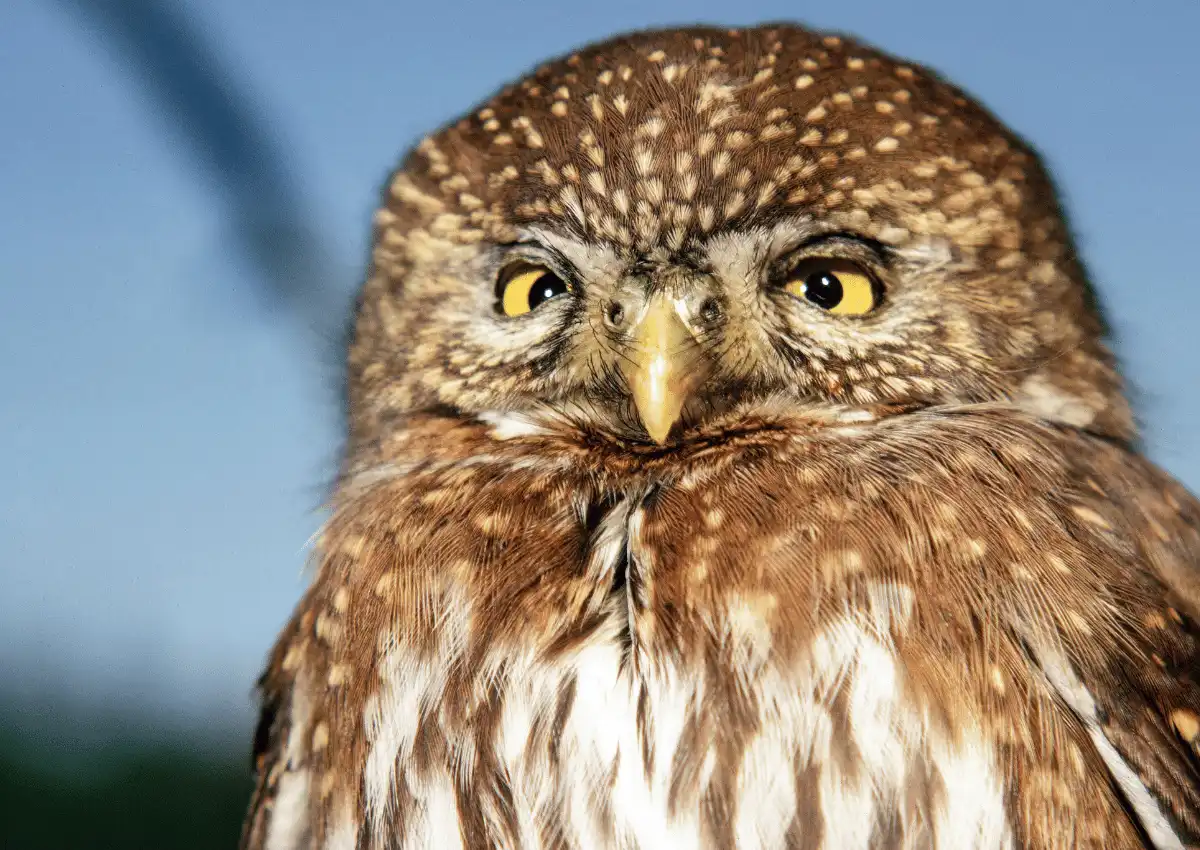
735,460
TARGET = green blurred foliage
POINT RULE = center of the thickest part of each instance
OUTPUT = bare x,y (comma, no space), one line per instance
160,792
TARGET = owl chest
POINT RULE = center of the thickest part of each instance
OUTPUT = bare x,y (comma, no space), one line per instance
597,752
692,730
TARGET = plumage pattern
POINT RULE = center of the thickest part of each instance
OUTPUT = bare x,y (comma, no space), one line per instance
897,580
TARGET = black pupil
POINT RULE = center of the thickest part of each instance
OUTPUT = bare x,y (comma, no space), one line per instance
544,288
823,289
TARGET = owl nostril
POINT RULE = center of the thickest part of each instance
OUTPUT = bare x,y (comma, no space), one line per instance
615,314
710,310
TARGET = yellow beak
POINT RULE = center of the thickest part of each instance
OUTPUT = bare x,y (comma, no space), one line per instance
663,367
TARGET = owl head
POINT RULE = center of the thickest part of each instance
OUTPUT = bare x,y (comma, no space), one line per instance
683,227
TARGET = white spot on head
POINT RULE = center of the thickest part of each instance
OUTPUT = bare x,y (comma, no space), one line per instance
1041,398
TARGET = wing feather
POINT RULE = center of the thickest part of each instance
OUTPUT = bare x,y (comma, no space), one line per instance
1140,699
277,816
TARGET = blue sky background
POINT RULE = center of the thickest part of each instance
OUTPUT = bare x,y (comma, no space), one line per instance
164,440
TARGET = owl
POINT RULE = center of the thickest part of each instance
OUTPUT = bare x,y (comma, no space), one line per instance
735,459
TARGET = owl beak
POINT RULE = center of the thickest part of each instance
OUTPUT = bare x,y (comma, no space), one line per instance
663,366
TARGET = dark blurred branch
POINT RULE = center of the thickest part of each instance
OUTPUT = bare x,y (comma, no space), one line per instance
232,142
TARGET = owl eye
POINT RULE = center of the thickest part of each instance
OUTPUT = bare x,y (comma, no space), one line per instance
837,286
528,288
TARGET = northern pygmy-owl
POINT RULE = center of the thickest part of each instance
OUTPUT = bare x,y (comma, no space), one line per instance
735,460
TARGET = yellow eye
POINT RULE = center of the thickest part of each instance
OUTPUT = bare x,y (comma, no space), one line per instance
528,289
838,286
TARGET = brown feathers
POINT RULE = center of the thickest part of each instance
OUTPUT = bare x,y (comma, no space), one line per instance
891,580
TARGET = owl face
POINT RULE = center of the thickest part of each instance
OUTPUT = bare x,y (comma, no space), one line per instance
663,230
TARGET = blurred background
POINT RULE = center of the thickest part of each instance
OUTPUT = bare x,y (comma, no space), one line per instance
185,195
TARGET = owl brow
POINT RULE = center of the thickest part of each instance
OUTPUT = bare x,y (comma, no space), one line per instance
882,253
548,255
789,259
